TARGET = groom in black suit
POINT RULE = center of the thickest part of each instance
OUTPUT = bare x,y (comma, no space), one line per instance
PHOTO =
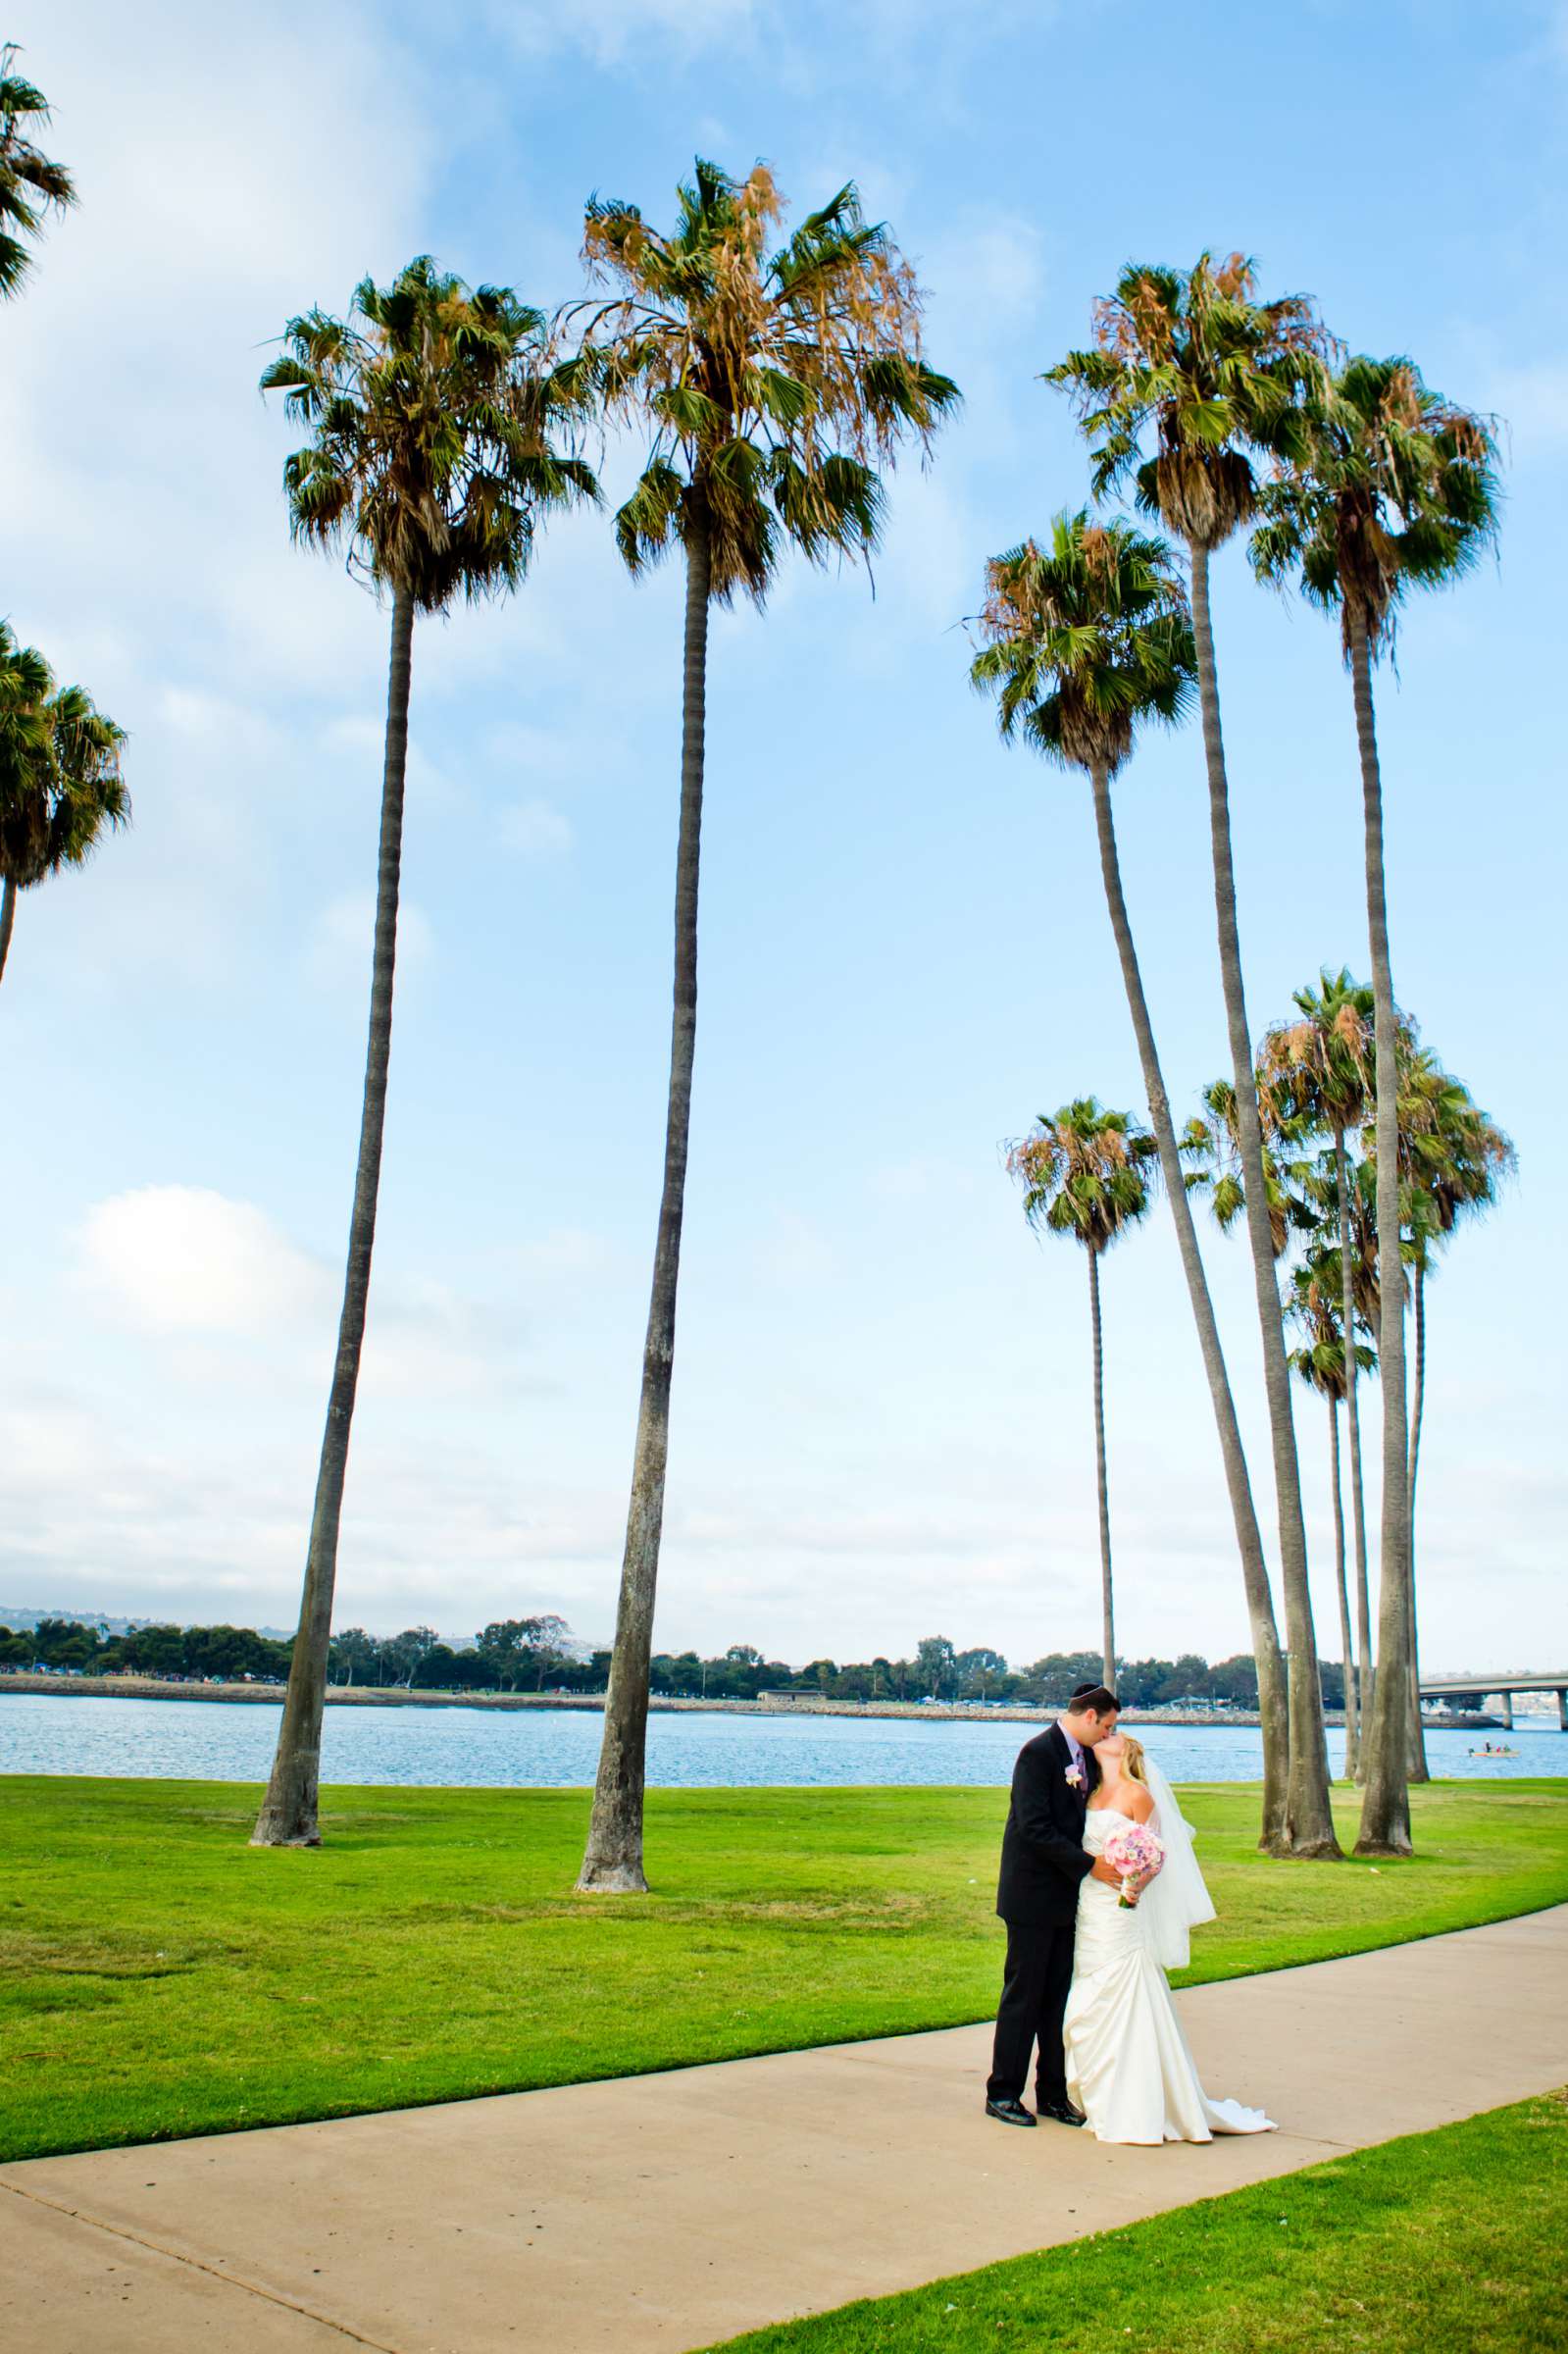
1043,1858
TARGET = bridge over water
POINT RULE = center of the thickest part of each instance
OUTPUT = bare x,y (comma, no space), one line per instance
1500,1688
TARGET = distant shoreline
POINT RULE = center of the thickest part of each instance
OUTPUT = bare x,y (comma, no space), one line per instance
369,1696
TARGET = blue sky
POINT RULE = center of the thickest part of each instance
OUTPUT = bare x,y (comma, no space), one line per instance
881,1419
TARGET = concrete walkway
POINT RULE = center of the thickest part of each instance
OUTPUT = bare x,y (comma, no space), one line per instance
668,2212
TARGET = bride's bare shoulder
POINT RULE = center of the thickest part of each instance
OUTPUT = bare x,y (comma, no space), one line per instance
1137,1801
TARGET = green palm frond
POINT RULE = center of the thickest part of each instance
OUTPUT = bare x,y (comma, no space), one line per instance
646,526
780,381
444,425
1454,1158
61,781
1313,1307
1085,639
31,184
1210,1145
1317,1072
1193,363
1389,487
1086,1171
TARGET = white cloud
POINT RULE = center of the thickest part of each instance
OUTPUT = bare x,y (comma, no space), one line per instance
203,1270
183,1258
535,830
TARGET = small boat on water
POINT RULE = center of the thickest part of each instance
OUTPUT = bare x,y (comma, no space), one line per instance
1487,1751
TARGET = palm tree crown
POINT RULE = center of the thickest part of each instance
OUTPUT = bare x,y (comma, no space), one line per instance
60,769
1312,1306
434,410
1390,488
32,186
1214,372
1319,1067
1085,637
777,383
1084,1172
26,685
78,795
1452,1155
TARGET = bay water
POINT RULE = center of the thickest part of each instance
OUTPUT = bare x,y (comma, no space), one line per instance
226,1741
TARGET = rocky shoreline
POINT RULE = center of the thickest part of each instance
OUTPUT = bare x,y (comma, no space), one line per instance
351,1696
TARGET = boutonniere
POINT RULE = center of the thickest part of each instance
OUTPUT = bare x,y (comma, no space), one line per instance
1075,1778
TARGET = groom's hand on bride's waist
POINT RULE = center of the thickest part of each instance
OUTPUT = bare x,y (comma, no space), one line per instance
1099,1870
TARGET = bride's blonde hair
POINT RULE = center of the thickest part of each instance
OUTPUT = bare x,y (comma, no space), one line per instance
1133,1759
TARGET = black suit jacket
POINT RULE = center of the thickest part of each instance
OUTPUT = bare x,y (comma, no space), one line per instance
1043,1855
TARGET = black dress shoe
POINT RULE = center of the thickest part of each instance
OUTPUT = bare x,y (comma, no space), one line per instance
1062,2113
1011,2113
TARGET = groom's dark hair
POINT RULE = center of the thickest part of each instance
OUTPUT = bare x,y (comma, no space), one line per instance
1093,1700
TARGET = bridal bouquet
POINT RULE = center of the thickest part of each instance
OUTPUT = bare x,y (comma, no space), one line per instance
1135,1854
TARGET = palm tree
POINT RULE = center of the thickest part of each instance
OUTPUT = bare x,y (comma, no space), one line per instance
32,186
434,414
1082,1173
1393,488
776,384
1452,1158
1318,1069
61,788
1215,374
1314,1307
1088,640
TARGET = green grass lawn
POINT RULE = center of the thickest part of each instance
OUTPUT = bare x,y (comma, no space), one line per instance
1444,2243
158,1976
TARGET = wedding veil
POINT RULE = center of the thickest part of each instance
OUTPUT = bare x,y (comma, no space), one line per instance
1177,1900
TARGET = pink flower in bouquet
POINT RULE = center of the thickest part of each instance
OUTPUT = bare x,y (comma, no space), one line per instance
1135,1854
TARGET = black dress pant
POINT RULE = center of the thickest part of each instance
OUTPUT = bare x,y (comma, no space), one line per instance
1036,1978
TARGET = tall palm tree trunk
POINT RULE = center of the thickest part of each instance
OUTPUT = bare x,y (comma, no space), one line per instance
289,1817
1386,1808
1417,1743
8,918
1358,1504
1310,1819
613,1860
1272,1701
1107,1611
1341,1589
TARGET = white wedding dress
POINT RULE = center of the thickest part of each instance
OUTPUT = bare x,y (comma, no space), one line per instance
1127,2065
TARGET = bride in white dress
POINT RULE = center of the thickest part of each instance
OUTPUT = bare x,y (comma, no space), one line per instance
1128,2066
